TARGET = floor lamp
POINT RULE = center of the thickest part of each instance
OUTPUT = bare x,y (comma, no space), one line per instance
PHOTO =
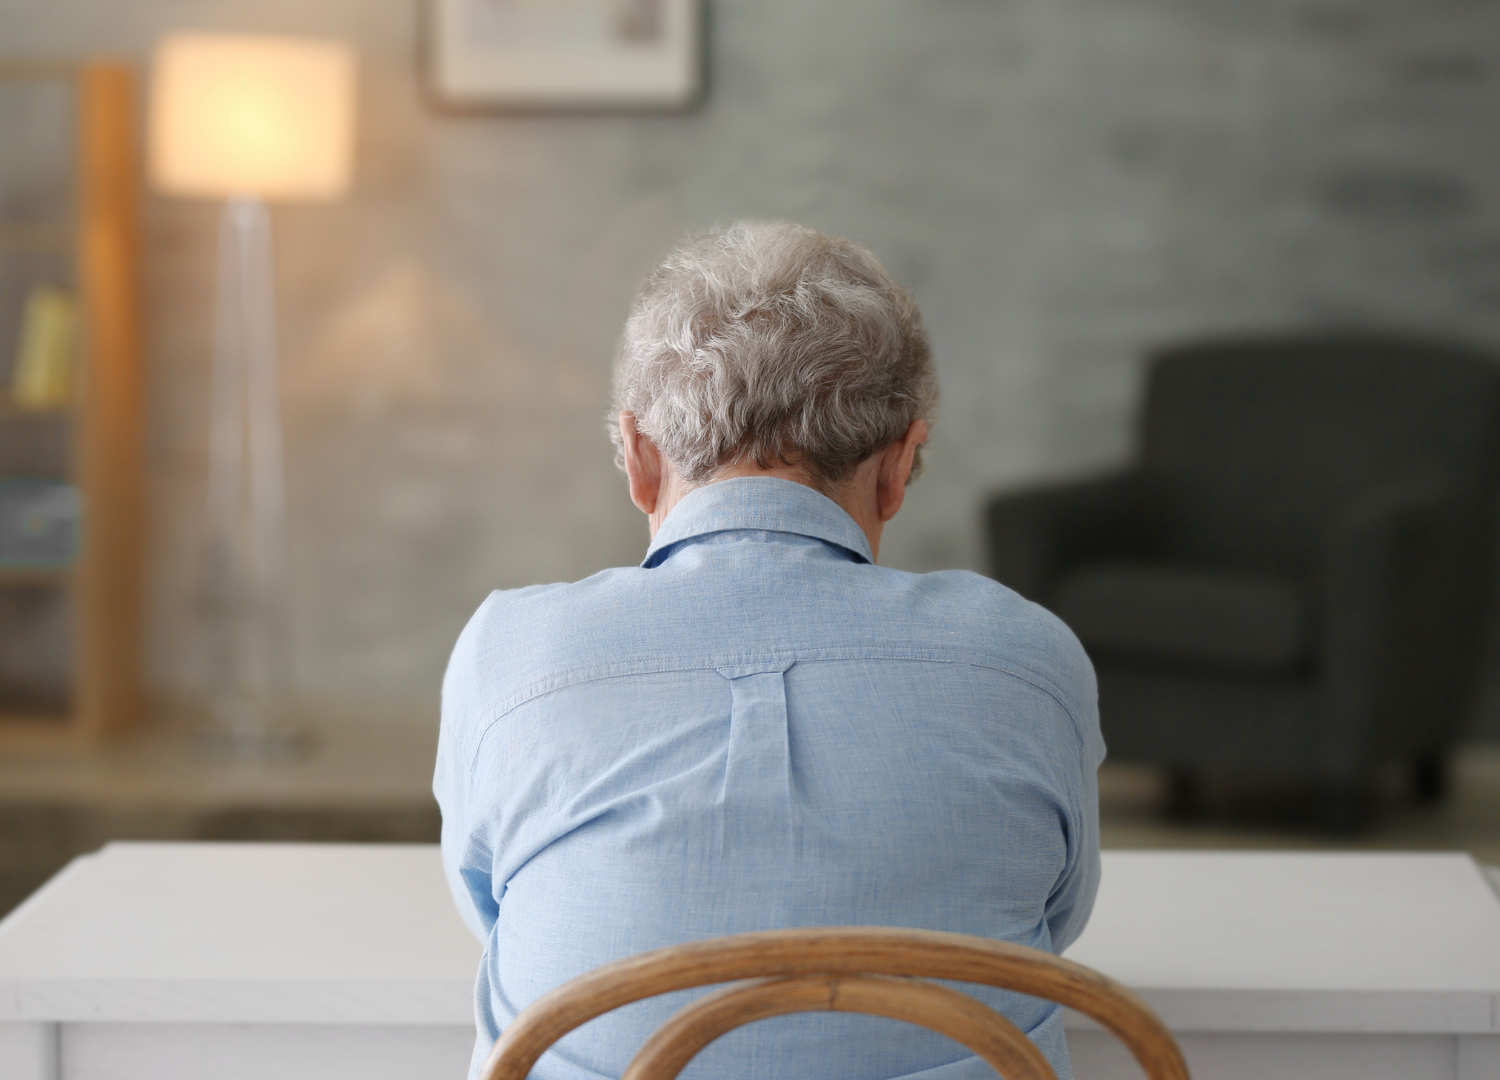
245,119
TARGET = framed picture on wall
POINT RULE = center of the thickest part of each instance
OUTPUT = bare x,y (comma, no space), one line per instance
583,54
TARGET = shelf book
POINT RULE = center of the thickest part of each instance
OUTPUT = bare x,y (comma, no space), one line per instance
71,484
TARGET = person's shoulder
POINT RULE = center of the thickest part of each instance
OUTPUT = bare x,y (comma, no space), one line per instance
538,619
999,625
520,641
1007,615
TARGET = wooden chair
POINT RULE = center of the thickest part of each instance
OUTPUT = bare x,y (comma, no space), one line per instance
881,971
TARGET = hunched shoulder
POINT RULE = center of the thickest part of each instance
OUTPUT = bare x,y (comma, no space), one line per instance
998,622
518,636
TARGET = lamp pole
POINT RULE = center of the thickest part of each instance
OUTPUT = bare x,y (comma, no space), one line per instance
246,574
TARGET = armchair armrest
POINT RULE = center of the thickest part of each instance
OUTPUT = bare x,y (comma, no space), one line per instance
1403,595
1034,536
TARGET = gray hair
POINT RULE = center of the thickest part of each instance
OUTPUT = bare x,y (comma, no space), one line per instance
773,343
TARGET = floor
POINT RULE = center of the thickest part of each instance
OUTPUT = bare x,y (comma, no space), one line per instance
367,779
1131,815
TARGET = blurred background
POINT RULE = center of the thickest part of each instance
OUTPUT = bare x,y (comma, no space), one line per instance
1066,185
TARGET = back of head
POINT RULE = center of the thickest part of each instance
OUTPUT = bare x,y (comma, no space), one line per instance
777,345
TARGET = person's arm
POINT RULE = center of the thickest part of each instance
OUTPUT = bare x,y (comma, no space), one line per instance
467,859
1072,898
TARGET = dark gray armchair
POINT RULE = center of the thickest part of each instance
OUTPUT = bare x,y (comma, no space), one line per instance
1291,582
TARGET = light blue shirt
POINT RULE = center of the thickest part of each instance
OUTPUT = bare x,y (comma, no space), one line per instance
758,728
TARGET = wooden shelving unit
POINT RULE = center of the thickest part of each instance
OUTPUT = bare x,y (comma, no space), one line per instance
103,584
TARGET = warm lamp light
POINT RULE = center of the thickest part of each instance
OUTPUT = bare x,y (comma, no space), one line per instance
243,115
247,118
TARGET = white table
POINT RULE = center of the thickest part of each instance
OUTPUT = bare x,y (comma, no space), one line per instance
1307,965
235,961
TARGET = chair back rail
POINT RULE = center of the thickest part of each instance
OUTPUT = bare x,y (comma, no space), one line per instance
833,953
948,1012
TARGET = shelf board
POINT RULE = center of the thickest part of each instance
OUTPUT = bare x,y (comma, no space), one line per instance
35,575
9,410
37,731
26,236
26,68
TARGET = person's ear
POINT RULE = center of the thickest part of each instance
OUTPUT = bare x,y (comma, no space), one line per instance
895,469
642,464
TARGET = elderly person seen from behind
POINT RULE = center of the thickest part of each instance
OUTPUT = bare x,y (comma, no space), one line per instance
758,727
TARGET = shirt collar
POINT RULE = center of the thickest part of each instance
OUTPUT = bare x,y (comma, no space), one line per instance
758,502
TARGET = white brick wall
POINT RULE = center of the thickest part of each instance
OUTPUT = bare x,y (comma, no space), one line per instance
1064,183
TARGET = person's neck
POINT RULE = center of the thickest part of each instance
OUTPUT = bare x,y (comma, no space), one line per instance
852,496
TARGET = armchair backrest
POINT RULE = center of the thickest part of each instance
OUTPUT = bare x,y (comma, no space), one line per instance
1257,440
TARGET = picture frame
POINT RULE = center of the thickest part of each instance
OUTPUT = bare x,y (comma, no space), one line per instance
565,54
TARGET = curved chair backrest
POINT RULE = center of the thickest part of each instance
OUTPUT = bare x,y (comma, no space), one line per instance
875,970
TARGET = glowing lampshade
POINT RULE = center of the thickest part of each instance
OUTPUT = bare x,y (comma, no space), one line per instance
246,115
